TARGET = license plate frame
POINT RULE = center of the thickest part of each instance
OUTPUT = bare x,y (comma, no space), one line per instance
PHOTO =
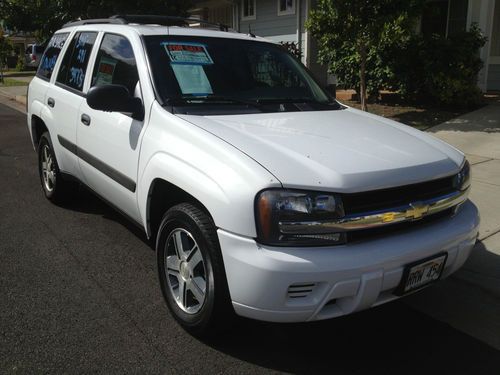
424,265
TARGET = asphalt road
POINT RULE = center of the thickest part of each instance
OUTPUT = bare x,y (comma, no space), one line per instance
79,294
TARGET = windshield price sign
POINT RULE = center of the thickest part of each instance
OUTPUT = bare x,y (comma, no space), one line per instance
188,53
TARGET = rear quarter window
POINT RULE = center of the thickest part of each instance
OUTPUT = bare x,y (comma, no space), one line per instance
49,59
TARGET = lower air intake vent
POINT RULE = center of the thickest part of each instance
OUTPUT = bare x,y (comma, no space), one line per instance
300,290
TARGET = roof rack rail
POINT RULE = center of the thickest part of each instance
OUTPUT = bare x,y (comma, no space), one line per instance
168,20
140,19
95,21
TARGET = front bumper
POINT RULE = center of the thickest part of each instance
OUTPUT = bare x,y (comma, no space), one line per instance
306,284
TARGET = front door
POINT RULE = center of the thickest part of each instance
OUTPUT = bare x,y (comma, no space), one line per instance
108,142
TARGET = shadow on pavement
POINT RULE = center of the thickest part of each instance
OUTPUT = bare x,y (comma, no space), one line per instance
391,339
86,202
485,119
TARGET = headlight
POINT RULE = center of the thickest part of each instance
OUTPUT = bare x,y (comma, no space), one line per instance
276,207
462,179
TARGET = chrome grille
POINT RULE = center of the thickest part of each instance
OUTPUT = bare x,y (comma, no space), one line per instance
398,196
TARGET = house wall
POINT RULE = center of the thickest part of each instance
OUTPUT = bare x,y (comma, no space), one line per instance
484,14
276,28
493,80
494,77
286,28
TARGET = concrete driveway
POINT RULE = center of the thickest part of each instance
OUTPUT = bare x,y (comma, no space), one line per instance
470,299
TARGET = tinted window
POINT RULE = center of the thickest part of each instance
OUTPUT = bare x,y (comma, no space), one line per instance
115,63
74,65
51,54
236,69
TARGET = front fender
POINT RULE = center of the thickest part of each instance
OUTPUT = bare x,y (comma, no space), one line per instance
228,198
222,178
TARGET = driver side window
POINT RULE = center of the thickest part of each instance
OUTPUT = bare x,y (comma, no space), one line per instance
115,63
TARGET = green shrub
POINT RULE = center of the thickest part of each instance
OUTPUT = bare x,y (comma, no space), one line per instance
20,64
441,70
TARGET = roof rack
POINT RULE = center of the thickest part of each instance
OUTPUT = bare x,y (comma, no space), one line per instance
149,19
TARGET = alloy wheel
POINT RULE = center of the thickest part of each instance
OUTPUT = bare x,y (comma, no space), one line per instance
185,270
48,168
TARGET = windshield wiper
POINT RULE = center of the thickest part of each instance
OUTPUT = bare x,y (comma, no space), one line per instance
285,100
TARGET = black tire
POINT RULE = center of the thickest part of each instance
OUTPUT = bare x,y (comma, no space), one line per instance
56,189
215,314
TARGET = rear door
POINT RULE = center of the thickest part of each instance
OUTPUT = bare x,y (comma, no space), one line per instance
109,142
65,97
41,82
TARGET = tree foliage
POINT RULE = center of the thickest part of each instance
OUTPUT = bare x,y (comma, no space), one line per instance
5,50
46,16
353,35
292,48
441,70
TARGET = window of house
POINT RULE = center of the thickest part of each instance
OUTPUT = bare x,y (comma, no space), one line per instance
286,7
444,17
435,18
115,63
74,64
457,16
495,34
248,10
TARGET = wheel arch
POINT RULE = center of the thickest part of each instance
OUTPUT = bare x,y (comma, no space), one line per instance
38,127
163,195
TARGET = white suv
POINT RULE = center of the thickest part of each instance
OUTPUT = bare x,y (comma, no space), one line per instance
264,196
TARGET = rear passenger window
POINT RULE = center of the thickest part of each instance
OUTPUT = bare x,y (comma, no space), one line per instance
74,64
115,63
50,56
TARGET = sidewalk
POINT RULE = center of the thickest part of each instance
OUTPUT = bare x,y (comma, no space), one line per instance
15,93
470,299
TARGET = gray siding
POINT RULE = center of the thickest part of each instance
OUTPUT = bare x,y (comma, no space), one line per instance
493,77
268,23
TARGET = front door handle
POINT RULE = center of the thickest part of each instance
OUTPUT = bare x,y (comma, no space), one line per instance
51,102
85,119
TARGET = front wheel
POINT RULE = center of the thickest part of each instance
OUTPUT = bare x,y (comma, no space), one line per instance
191,270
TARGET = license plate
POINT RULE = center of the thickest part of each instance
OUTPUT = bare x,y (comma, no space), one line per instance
421,273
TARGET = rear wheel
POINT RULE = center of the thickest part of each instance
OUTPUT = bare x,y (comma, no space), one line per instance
55,188
191,271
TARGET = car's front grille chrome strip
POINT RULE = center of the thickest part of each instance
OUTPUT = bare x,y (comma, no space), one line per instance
410,212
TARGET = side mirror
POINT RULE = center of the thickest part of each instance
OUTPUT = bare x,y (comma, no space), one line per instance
115,98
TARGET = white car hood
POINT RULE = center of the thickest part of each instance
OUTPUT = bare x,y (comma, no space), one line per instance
344,150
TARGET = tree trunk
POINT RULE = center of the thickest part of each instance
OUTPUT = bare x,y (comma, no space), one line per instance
362,77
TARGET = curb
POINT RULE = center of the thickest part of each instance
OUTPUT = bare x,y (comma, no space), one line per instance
20,99
17,102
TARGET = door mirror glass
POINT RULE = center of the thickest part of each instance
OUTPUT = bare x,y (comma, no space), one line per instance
115,98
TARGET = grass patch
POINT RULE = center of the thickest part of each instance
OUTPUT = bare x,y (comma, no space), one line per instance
8,82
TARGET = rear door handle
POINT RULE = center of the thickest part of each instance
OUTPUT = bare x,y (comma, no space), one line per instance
85,119
51,102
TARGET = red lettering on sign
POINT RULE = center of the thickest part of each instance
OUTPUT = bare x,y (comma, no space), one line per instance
106,69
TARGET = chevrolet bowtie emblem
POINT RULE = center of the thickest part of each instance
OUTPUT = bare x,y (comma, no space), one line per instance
416,211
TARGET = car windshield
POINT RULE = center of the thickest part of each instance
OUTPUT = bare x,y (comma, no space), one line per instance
218,71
